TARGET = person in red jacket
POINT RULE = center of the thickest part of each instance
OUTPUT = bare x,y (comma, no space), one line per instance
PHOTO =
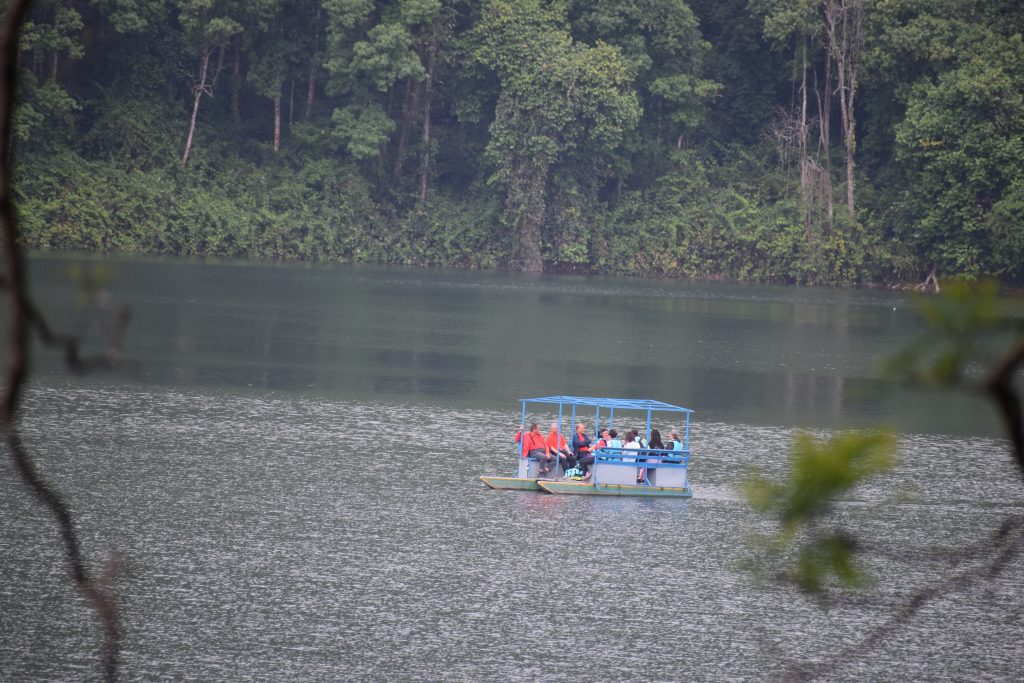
556,444
534,447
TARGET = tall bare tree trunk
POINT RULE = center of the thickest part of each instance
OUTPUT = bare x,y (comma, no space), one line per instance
220,65
291,104
277,124
410,102
806,182
311,90
824,97
199,89
427,92
236,84
803,113
844,23
850,131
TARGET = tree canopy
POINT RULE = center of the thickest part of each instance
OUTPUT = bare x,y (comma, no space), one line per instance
822,142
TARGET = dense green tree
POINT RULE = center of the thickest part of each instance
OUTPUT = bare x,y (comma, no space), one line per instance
955,131
559,99
812,141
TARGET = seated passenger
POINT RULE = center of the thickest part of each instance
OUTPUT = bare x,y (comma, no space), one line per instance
534,447
674,443
556,444
631,444
581,448
613,439
655,442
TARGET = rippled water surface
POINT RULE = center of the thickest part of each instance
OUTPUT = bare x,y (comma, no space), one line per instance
290,475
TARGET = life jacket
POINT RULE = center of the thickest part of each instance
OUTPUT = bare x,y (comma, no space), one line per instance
555,441
579,445
615,443
531,441
676,445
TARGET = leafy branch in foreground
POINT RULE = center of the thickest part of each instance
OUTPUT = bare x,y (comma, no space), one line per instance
820,472
973,343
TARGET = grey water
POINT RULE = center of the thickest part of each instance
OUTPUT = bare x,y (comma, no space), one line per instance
287,463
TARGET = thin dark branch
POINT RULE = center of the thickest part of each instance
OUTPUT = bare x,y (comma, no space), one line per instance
111,356
1005,544
22,316
1000,385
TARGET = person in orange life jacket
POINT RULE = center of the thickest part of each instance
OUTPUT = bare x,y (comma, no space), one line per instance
581,448
556,444
534,447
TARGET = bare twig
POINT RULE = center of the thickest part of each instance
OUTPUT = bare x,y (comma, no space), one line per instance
1000,385
23,316
111,356
1005,544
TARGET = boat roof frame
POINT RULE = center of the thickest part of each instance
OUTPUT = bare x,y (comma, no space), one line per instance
643,404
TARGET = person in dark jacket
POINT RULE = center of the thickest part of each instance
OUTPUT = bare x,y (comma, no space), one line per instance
581,448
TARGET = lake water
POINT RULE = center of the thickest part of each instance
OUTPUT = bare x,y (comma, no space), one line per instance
288,464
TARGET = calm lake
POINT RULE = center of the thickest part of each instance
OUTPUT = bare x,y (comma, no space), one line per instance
288,465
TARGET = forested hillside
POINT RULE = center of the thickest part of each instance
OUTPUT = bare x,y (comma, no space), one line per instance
831,141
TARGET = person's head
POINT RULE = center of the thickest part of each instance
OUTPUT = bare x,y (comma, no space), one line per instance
635,433
674,435
580,427
629,437
554,427
655,435
534,427
612,433
604,433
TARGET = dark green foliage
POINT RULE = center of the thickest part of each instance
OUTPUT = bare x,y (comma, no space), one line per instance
644,137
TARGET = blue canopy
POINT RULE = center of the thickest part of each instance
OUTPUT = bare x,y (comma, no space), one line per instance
611,404
623,403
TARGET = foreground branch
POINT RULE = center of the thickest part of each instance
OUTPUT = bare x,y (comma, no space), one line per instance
1005,544
1000,385
21,317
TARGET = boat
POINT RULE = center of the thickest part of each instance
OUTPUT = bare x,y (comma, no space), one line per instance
616,470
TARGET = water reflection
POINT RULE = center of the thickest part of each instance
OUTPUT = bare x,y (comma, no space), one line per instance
765,355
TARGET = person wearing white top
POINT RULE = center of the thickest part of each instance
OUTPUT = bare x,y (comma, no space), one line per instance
631,444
